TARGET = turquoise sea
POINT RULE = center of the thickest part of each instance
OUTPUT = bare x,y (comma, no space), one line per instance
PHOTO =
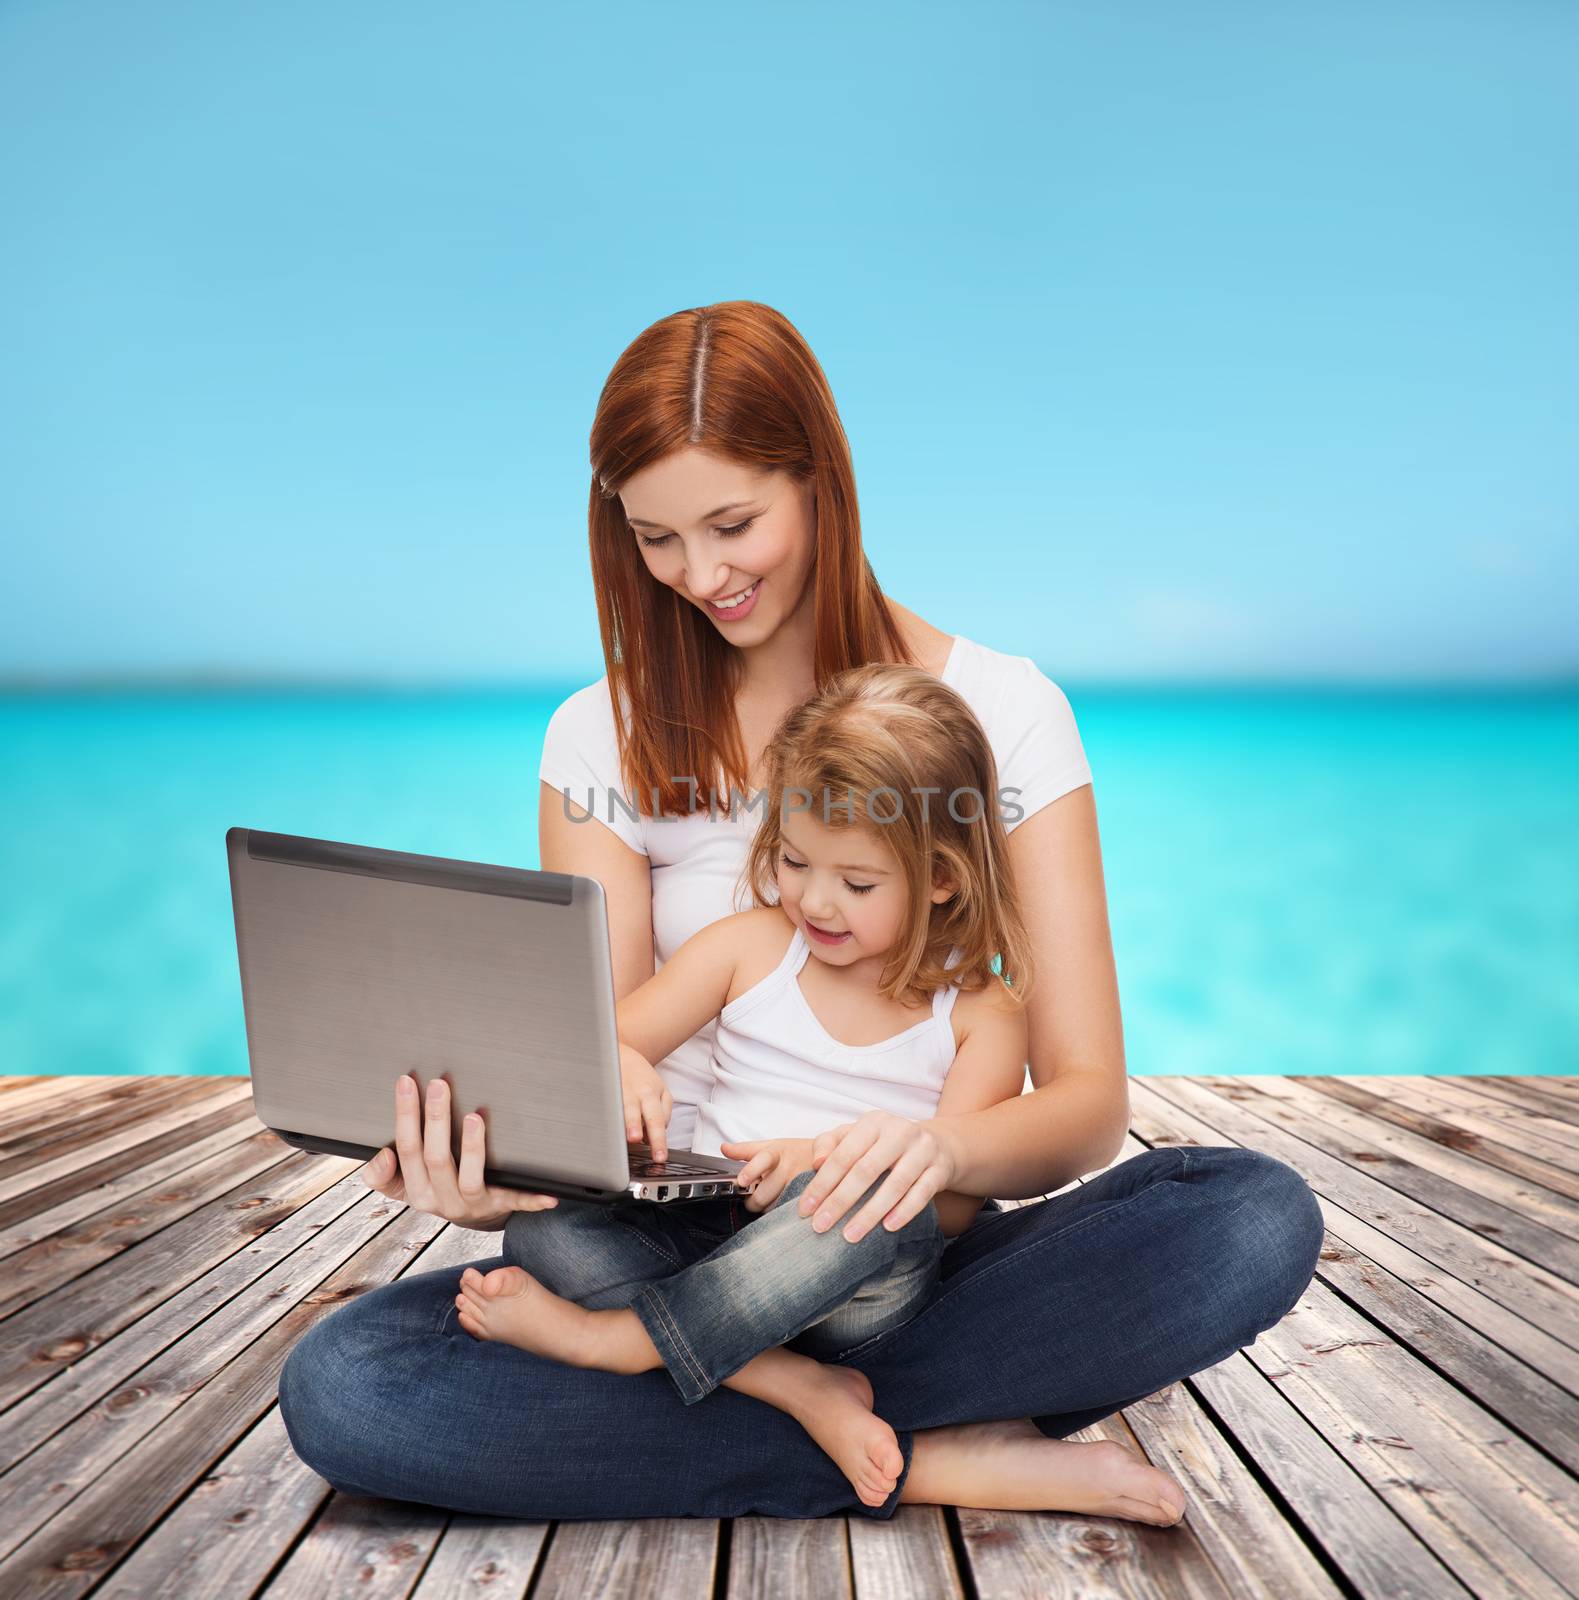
1298,881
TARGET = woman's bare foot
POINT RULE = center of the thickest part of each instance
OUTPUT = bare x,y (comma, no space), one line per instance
1012,1466
511,1306
835,1408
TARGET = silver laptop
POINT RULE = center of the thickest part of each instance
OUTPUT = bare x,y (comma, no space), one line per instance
360,964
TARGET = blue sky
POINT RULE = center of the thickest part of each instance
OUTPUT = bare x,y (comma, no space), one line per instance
1172,341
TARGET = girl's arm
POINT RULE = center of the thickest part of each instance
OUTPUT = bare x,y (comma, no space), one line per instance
686,992
650,1008
656,1018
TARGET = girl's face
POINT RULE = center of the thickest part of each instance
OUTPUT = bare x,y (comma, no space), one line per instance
842,887
715,531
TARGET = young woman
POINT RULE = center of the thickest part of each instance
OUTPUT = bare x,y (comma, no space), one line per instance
731,585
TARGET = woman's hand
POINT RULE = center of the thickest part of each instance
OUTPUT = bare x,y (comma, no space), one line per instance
769,1165
420,1169
849,1160
647,1102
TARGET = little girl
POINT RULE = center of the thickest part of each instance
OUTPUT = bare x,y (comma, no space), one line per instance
874,973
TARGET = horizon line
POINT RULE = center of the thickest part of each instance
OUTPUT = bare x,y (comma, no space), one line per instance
218,680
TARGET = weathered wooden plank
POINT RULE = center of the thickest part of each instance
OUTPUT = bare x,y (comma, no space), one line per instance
1554,1083
1565,1085
1407,1108
906,1557
183,1148
457,1247
774,1556
1465,1168
482,1558
1529,1095
227,1534
1169,1124
1520,1394
377,1548
1488,1504
60,1328
1534,1131
266,1500
48,1266
1242,1533
27,1122
25,1098
85,1542
48,1100
1558,1136
1539,1296
46,1139
1533,1347
85,1448
360,1546
230,1302
1358,1532
1056,1556
659,1558
129,1133
1525,1218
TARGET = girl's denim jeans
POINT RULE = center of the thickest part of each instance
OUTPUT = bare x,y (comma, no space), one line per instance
1062,1311
714,1283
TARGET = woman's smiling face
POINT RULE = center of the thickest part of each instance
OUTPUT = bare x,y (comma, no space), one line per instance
715,530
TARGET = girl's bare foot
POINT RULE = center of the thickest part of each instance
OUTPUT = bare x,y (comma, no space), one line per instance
833,1404
1012,1466
835,1408
511,1306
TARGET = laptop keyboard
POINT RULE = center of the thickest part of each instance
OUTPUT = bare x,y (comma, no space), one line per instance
646,1167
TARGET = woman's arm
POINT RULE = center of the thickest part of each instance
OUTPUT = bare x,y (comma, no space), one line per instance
988,1069
1075,1118
591,850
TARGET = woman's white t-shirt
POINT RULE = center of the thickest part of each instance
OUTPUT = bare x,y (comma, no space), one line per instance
697,860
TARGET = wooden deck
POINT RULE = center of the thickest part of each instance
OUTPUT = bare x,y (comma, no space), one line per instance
1411,1430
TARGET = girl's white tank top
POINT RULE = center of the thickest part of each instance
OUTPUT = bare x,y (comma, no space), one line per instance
779,1074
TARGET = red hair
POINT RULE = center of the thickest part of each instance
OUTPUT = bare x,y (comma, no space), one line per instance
738,381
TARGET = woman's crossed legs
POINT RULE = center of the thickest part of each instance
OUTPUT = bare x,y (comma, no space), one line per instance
1061,1312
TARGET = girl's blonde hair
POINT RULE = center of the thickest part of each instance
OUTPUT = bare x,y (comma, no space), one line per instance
887,741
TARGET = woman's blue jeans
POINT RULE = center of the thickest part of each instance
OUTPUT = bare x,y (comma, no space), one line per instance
1062,1311
715,1284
